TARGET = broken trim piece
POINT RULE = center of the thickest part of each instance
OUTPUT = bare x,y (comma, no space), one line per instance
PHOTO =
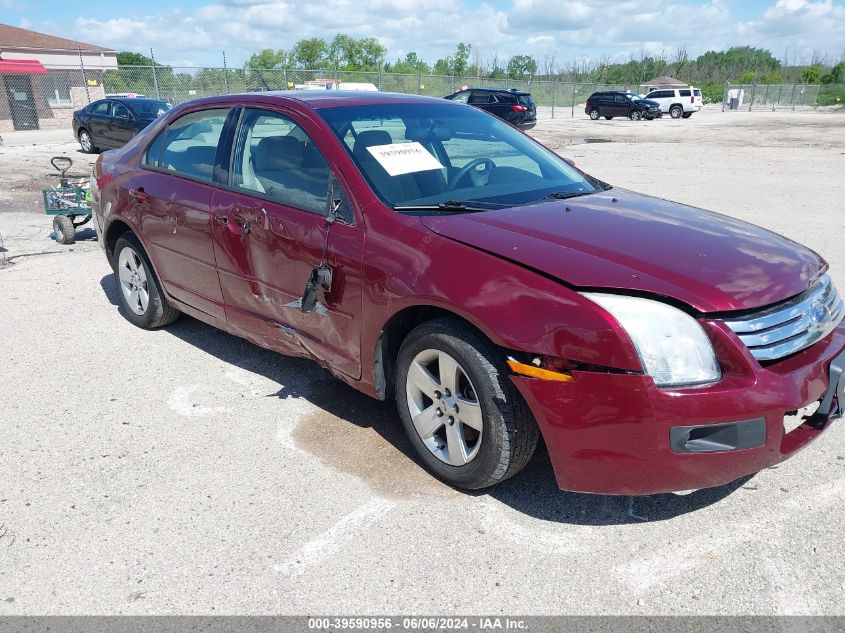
537,372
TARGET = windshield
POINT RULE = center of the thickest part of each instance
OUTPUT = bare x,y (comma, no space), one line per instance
427,154
147,108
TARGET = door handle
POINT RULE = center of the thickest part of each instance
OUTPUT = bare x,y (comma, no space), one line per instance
139,194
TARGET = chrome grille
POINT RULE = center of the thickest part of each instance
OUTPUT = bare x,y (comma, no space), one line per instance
793,325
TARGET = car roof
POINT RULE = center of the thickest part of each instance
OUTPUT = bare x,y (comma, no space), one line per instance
513,91
318,99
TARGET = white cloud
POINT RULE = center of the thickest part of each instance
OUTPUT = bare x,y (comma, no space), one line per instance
611,29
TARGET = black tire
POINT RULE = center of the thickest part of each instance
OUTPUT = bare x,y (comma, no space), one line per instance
609,118
64,229
636,115
86,141
509,434
687,115
595,114
676,112
159,312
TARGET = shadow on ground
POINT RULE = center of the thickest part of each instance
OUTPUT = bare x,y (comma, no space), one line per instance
349,424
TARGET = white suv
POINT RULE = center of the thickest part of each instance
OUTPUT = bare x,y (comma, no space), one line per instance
678,102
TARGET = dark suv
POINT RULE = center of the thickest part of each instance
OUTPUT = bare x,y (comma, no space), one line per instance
627,104
514,106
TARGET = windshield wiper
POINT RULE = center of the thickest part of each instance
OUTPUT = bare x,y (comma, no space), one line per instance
563,195
450,205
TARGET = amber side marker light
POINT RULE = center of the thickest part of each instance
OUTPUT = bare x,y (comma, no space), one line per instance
532,371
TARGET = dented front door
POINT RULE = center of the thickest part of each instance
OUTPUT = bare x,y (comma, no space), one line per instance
265,254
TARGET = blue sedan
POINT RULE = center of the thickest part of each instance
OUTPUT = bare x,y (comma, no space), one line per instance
110,123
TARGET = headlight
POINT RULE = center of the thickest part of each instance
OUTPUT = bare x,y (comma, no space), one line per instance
672,346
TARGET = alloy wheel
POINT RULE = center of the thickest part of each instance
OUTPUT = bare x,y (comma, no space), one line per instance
444,407
133,281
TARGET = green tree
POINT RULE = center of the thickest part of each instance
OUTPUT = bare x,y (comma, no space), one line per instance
836,74
456,64
128,58
409,65
267,58
460,61
370,54
521,66
311,53
812,74
343,52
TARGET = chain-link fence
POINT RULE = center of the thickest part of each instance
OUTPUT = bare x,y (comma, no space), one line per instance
772,97
50,98
177,84
38,97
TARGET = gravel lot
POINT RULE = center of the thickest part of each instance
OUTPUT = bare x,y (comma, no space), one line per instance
187,471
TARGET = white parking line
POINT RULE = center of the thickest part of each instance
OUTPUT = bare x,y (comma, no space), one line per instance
345,530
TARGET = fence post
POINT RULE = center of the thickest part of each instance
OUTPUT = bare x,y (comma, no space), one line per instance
753,92
572,110
419,82
225,75
379,80
554,90
84,78
777,103
766,96
155,79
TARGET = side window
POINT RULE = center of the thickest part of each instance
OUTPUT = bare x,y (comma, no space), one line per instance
620,99
103,108
461,97
276,159
479,97
121,111
190,143
153,154
686,93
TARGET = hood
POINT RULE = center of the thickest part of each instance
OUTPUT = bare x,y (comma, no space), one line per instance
627,241
650,103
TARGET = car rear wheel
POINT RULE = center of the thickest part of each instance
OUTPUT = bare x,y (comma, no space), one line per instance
86,141
676,112
594,114
138,291
636,115
466,420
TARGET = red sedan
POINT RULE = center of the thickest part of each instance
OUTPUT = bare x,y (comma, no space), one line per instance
425,251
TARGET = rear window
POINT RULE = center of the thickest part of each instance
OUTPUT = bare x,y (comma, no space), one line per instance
685,93
526,100
696,92
148,109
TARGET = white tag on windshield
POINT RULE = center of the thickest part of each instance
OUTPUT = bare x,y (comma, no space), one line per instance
404,158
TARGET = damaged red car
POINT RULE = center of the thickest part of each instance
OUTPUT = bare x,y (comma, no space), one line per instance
424,251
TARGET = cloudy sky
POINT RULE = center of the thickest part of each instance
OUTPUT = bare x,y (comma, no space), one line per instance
194,32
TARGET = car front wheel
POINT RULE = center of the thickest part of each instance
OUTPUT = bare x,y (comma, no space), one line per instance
636,115
141,299
466,420
687,115
594,114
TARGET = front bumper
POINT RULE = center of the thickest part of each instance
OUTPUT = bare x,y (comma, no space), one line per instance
612,433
